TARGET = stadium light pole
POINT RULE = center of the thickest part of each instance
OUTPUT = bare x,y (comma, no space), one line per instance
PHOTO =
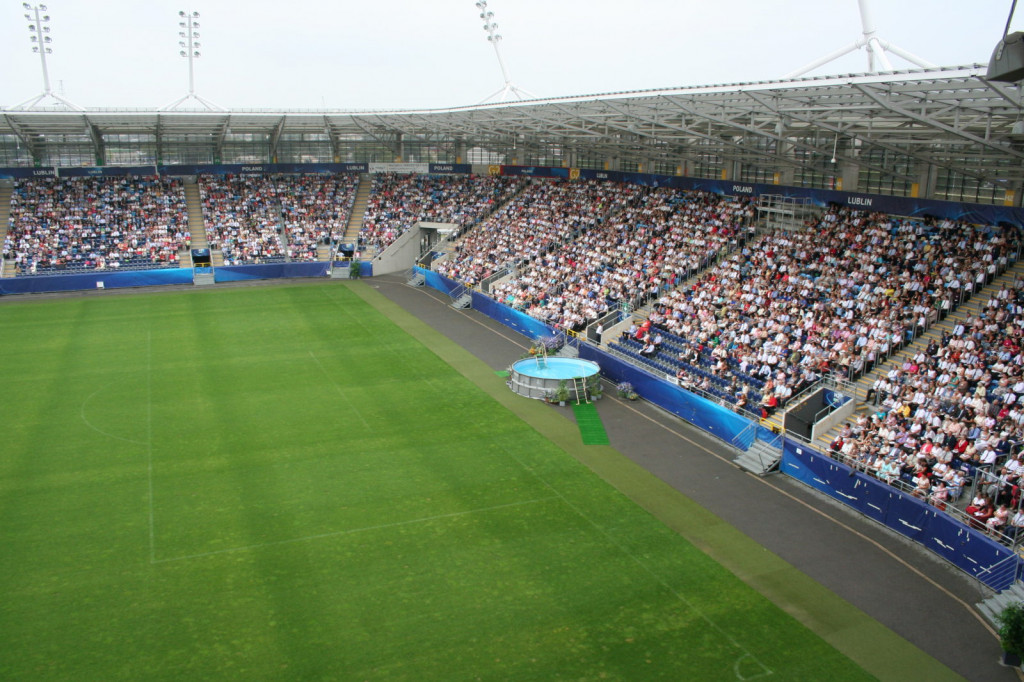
875,47
189,49
493,37
37,26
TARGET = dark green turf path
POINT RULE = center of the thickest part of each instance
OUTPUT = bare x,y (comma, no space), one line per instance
589,421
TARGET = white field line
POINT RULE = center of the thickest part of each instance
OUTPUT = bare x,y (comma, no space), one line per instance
352,531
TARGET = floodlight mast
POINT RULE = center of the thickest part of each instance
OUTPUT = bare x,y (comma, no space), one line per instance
873,45
189,44
41,40
493,37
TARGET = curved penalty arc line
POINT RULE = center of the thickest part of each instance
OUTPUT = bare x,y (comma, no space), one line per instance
98,429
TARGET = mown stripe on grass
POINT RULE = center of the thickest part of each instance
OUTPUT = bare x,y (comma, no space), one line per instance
874,647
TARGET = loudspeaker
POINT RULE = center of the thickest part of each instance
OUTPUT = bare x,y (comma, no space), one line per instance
1007,63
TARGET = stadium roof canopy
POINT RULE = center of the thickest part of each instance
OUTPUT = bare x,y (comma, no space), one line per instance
898,124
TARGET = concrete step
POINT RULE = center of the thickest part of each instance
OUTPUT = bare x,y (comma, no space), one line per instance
759,459
994,605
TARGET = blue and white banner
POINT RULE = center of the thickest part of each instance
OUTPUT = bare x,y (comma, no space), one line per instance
261,168
399,168
536,171
443,168
970,550
36,172
106,171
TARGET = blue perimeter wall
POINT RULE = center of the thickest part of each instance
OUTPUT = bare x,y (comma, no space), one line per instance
969,550
111,280
148,278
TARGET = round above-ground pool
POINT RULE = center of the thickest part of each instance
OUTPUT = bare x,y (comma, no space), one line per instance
537,377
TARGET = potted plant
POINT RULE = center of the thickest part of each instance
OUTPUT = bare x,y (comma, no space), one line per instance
1011,633
354,269
562,394
625,390
594,386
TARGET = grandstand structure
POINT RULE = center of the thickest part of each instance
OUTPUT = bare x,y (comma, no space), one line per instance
931,133
683,181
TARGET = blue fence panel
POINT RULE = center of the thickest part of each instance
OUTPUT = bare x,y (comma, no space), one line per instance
909,516
111,280
521,322
968,549
439,282
715,419
235,273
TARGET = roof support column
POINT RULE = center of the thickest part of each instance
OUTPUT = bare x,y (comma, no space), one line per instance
849,175
924,186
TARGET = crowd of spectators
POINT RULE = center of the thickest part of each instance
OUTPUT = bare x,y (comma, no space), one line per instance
316,209
96,223
243,217
837,298
399,201
546,214
951,414
271,218
651,244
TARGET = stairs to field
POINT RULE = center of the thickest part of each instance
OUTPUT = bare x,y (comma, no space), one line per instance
323,252
6,267
934,333
759,459
355,217
197,224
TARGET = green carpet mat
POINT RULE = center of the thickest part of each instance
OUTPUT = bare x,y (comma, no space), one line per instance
502,373
591,429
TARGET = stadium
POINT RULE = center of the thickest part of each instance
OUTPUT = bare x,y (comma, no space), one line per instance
258,417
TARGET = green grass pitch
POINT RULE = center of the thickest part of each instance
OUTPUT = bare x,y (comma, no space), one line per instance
277,483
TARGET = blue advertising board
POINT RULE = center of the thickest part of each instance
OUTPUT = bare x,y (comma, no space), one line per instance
442,168
29,172
105,279
536,171
970,550
106,171
261,168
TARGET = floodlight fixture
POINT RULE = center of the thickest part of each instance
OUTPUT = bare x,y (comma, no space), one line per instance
41,41
190,50
493,37
875,47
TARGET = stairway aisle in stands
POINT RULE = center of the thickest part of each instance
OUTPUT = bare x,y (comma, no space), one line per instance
323,252
920,343
197,225
5,218
355,217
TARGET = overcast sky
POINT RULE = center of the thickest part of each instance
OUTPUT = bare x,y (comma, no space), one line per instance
413,54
